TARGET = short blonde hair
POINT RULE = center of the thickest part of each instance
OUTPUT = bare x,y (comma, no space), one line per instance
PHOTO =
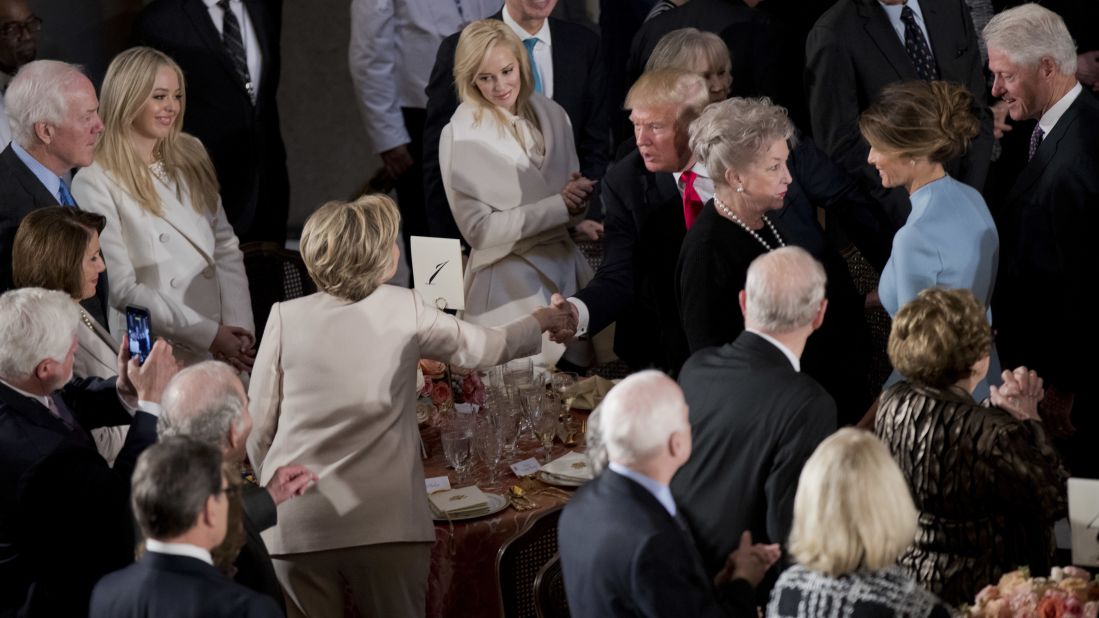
938,336
347,246
734,133
679,88
475,42
679,49
852,509
921,119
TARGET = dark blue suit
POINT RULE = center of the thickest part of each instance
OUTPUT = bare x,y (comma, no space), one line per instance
64,513
623,554
164,585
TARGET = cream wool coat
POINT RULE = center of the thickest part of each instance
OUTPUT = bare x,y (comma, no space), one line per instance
334,389
184,267
510,211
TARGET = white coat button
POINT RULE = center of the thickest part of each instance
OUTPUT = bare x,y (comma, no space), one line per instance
174,283
208,272
163,238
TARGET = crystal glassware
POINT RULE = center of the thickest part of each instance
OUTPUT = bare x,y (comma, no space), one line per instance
489,445
458,449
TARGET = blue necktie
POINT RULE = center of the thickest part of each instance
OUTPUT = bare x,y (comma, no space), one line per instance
63,193
529,44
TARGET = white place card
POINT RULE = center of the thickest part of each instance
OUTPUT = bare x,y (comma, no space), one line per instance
526,467
437,483
437,271
1083,516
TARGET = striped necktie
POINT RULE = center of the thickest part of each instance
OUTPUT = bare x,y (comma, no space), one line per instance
234,45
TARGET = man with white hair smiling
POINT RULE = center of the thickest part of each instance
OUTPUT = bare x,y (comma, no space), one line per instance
1047,223
756,418
625,549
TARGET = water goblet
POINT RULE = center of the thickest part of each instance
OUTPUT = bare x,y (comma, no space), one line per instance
457,447
489,445
545,427
563,384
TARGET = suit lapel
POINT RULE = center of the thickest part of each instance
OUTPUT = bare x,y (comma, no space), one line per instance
1048,150
32,411
203,24
185,220
884,37
662,193
28,180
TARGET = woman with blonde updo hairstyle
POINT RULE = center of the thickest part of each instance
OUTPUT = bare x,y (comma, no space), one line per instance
509,167
949,238
986,480
167,241
334,389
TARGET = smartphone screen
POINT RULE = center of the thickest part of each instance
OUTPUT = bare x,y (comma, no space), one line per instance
137,329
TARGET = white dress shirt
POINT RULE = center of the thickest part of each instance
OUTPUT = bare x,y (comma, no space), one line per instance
179,549
893,11
659,490
1058,109
247,33
543,50
391,54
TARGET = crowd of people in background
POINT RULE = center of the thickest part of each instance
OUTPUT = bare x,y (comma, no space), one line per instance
740,165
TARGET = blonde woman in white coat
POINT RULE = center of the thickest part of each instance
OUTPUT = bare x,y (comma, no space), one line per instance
168,243
509,166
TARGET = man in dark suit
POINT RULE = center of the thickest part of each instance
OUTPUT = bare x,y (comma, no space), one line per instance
625,549
208,403
231,63
47,144
858,47
1046,224
579,85
181,501
754,416
58,496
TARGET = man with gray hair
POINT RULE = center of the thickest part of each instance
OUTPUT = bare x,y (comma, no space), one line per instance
756,418
55,125
207,402
625,549
1046,223
181,501
63,521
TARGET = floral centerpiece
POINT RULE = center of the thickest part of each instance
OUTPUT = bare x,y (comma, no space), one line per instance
1068,592
442,386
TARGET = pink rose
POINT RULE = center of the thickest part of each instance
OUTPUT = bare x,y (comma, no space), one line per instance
1091,609
472,389
426,390
440,393
1052,606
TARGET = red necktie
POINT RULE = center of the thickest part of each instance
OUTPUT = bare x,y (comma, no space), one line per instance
692,201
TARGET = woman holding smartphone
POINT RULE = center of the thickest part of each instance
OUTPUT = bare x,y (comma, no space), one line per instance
168,243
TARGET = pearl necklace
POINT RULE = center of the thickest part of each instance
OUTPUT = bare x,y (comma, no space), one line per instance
732,215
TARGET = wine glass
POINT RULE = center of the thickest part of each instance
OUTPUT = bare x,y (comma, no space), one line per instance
532,399
510,425
562,383
545,428
457,447
489,445
519,372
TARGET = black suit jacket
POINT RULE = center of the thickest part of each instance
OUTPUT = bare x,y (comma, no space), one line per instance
623,554
244,140
58,496
579,86
853,52
635,285
167,585
754,422
1048,267
253,564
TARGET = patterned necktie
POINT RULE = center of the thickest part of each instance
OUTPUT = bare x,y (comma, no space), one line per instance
234,45
529,44
65,197
57,412
1035,141
692,201
916,46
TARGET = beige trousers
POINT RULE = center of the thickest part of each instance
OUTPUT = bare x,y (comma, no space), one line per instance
387,580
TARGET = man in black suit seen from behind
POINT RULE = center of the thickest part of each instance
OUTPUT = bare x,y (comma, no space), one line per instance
859,46
231,63
625,549
644,226
63,510
1046,224
572,72
207,402
754,416
181,501
55,125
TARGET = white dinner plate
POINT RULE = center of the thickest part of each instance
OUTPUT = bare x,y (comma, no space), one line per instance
550,479
496,503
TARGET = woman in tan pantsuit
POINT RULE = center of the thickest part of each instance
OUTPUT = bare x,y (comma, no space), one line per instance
58,249
334,388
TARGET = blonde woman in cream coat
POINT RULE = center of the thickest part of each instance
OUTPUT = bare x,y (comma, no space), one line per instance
168,243
509,166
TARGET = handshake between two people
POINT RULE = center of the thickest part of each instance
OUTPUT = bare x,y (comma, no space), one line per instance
560,319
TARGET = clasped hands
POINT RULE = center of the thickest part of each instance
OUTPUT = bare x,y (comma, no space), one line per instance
234,345
576,193
749,561
559,319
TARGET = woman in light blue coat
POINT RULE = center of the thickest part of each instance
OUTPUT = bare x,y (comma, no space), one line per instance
950,239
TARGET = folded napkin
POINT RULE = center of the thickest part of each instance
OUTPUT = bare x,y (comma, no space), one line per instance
589,392
459,502
571,466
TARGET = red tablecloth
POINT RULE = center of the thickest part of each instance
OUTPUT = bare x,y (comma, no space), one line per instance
463,581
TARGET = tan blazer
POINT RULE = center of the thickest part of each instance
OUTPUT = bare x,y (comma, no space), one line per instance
185,268
334,389
96,351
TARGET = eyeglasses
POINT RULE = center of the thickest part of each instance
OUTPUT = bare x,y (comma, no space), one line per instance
14,29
